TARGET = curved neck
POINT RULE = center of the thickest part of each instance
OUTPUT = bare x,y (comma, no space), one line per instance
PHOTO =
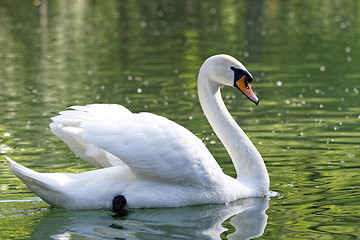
249,165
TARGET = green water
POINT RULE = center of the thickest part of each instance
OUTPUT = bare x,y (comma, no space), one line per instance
145,55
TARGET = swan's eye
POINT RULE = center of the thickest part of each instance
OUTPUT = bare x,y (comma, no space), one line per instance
238,73
246,83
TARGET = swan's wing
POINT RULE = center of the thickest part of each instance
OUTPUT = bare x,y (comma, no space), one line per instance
67,125
152,146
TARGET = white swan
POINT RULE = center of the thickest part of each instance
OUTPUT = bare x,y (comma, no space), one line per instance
150,161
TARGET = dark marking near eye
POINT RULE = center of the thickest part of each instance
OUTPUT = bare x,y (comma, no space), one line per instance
246,83
239,73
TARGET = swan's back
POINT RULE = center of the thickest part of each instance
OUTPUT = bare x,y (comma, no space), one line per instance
152,146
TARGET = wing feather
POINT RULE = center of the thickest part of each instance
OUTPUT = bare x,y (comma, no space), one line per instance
67,126
150,145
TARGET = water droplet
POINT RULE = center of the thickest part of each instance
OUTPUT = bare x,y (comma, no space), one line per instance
143,24
212,10
160,13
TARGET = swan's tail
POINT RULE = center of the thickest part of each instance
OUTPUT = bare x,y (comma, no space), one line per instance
89,190
27,176
46,185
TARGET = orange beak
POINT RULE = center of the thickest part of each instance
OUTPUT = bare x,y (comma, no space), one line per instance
245,88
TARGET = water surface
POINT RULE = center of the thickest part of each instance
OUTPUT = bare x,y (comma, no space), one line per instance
145,55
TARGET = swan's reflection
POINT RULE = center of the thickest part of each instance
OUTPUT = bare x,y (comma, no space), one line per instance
246,218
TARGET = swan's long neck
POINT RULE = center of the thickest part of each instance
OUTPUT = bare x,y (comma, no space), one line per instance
249,165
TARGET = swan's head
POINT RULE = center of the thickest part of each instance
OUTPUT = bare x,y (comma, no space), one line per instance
226,70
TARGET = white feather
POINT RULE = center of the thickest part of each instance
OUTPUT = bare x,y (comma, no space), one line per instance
149,159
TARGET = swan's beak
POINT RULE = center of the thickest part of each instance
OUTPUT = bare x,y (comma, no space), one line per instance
244,86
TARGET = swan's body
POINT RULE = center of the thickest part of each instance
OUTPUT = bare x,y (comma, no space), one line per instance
150,160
